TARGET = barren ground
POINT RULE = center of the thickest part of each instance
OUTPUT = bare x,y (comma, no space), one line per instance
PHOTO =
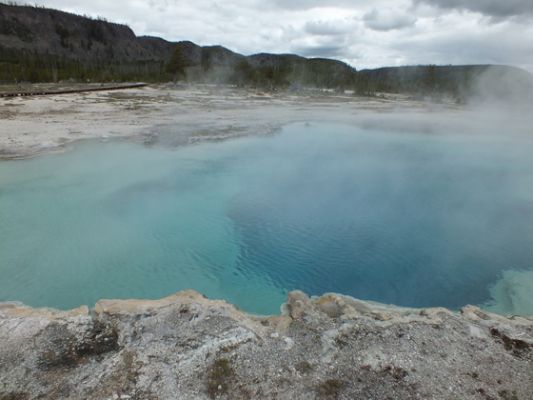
172,115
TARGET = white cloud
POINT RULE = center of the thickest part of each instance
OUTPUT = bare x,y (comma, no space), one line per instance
332,27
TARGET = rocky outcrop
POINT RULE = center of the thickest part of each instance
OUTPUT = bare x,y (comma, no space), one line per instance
188,347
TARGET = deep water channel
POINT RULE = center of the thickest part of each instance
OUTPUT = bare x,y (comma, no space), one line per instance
407,218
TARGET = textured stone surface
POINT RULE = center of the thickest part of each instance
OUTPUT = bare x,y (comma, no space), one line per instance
186,346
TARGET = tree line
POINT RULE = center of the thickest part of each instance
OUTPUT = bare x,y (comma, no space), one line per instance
278,73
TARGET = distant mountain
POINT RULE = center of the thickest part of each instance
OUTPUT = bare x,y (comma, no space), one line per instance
40,44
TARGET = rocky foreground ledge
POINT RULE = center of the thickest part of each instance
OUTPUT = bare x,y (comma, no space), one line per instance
333,347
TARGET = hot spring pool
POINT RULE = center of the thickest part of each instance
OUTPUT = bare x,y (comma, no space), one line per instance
406,218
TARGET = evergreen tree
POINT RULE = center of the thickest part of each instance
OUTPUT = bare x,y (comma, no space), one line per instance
177,64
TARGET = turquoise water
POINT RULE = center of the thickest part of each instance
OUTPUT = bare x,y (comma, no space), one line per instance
406,218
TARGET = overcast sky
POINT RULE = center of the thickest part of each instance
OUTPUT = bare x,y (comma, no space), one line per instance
364,33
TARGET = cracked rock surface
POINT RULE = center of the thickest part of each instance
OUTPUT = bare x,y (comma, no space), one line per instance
332,347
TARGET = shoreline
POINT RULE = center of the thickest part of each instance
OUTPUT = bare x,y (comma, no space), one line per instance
13,307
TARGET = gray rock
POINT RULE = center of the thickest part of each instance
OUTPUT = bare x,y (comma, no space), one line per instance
332,347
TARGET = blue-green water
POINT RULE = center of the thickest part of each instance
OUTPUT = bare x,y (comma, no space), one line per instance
405,218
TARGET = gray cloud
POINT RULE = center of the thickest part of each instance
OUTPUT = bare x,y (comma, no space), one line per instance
386,20
493,8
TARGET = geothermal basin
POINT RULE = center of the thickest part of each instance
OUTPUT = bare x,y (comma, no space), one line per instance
415,218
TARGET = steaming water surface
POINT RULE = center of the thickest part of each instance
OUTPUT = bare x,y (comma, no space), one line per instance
407,218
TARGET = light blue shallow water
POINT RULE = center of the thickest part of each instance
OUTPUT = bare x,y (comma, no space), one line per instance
404,218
